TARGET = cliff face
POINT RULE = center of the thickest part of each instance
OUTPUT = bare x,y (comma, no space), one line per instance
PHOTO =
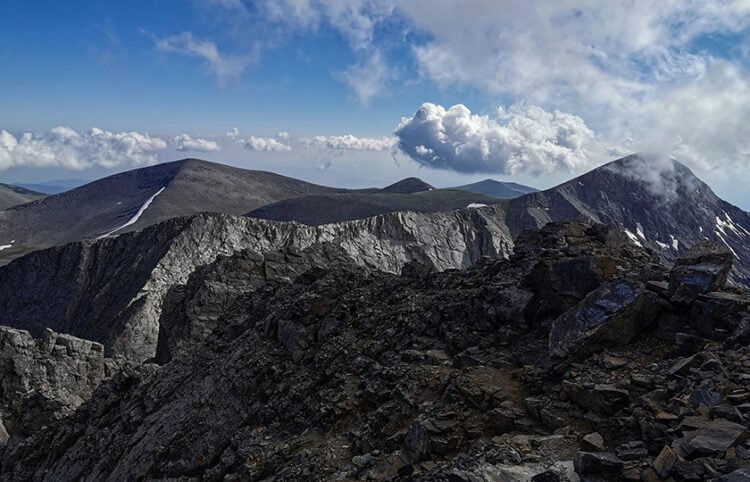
111,291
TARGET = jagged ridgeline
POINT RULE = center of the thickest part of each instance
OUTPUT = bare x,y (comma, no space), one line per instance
431,343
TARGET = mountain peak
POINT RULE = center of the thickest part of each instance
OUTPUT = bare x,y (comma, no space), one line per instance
662,205
501,189
410,185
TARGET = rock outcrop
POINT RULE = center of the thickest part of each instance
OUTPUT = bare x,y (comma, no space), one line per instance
45,379
111,291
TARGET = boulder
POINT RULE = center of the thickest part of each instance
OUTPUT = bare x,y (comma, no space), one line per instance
704,268
714,438
664,462
598,463
593,442
612,315
741,475
599,398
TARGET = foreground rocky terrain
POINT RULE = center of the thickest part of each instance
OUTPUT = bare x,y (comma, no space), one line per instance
579,357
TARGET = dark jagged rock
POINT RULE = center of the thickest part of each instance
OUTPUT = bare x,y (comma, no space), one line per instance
664,462
192,310
704,268
600,463
593,442
612,315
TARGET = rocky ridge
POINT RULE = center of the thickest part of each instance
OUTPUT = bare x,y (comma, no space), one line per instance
581,357
111,290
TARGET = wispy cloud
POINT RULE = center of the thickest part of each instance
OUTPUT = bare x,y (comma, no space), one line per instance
224,66
369,78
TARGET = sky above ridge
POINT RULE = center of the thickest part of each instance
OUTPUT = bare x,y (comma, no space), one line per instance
365,92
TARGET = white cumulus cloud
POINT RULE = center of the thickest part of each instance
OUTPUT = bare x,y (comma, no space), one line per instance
184,142
266,144
65,147
350,142
521,139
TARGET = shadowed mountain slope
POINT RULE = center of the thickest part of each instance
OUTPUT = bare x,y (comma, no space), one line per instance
320,209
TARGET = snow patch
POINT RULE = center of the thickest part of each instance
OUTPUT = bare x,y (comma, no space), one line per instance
675,242
137,216
728,223
639,231
476,205
633,238
5,246
721,236
662,245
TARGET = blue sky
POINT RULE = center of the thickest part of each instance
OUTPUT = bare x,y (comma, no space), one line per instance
364,92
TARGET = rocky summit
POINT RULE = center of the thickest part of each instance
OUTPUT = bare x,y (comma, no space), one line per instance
578,357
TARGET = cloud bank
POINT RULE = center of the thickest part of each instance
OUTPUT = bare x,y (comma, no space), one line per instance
521,139
65,147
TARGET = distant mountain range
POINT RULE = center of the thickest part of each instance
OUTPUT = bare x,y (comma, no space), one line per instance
11,195
139,198
666,208
409,194
53,187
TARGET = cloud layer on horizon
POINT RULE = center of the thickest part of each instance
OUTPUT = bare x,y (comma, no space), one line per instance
67,148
